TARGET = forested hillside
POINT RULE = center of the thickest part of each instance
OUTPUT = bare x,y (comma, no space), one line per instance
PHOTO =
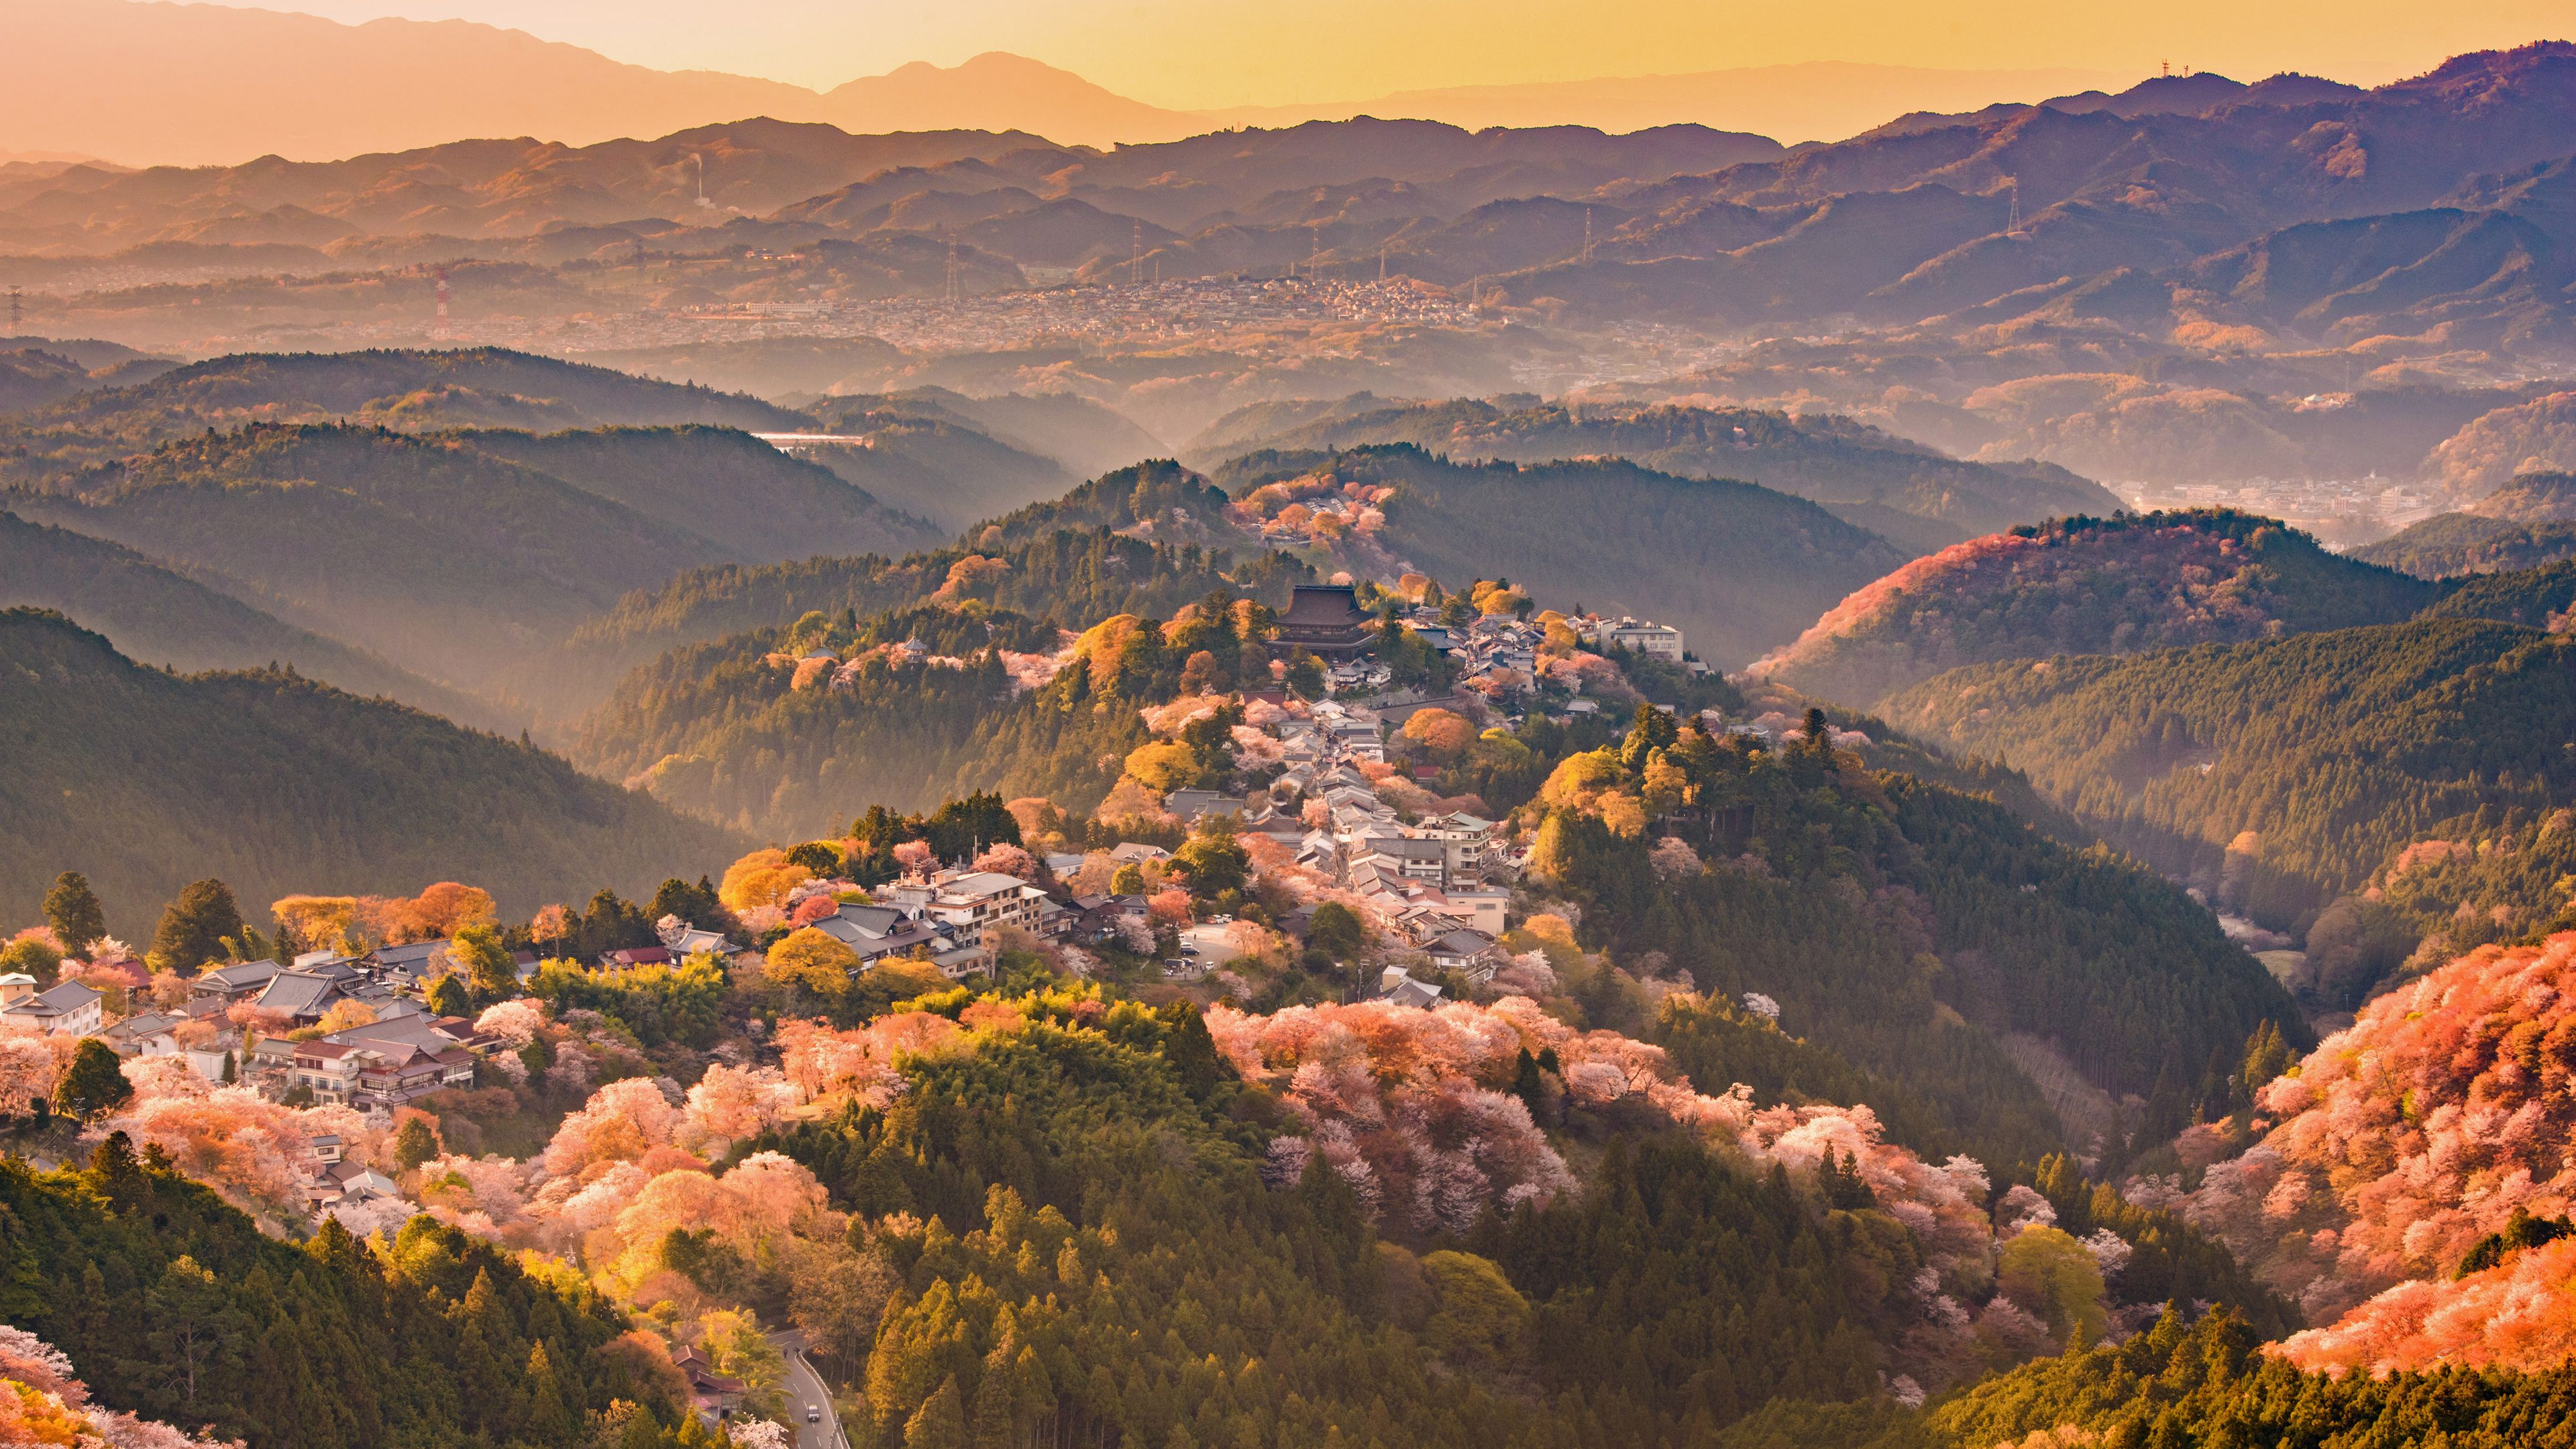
1063,560
431,553
2540,496
169,1302
750,502
144,781
457,554
1739,568
936,455
939,469
2465,543
415,391
1908,928
2276,775
2082,585
2536,598
757,732
157,616
1915,496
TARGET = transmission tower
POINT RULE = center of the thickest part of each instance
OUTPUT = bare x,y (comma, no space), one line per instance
1136,255
953,293
17,312
1587,234
440,331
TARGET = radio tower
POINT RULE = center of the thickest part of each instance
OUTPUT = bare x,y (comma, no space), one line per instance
440,332
952,269
17,312
1587,234
1136,255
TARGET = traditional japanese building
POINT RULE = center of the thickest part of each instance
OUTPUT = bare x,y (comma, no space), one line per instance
1326,620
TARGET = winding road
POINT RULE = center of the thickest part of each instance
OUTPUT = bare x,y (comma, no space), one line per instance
806,1389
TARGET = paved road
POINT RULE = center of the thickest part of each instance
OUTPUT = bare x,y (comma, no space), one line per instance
805,1388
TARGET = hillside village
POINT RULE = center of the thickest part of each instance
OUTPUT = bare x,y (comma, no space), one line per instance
1317,859
1336,808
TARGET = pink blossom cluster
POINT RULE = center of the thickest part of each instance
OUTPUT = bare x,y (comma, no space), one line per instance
256,1153
2403,1140
823,1063
1408,1106
2517,1315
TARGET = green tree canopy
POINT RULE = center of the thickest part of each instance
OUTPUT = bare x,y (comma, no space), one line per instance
194,926
94,1082
72,910
478,952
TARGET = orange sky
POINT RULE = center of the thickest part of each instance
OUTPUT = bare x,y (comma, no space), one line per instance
1208,53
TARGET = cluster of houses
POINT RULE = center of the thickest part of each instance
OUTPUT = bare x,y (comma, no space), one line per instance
1436,881
403,1054
1500,641
953,917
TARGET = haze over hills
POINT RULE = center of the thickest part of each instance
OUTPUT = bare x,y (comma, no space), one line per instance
158,616
1913,495
2530,520
279,784
2307,283
115,74
1363,976
1809,101
259,81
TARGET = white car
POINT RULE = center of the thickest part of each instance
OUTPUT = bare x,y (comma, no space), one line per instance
813,1415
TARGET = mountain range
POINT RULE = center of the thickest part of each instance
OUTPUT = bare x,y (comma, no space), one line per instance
258,82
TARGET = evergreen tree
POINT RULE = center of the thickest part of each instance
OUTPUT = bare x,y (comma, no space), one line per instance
494,972
940,1422
1529,1086
414,1143
697,904
449,995
72,910
1335,929
1305,674
94,1082
196,1337
546,1419
193,927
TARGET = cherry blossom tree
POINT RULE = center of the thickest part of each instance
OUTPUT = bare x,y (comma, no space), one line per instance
27,1071
2405,1139
621,1122
729,1104
515,1022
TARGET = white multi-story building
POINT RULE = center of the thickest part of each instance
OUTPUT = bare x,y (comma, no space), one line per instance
69,1009
1638,636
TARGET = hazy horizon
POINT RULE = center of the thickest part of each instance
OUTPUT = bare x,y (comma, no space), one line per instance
1198,55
